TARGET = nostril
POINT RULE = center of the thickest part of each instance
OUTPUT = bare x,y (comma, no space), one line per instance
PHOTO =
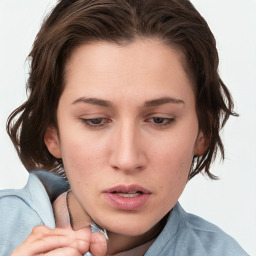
126,168
115,167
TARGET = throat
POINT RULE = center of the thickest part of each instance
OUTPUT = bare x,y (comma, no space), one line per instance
119,245
138,251
78,217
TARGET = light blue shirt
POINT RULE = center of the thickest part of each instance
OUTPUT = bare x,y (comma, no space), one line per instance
183,235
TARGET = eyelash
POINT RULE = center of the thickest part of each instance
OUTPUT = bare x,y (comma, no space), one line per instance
164,121
101,122
89,122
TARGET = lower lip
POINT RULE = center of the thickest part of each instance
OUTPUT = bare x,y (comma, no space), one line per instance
127,203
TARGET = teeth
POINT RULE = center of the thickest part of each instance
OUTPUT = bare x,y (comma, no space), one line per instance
129,194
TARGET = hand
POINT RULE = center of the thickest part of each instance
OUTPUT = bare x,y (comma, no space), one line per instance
60,242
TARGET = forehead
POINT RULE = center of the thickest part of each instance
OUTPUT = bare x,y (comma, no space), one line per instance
147,66
132,54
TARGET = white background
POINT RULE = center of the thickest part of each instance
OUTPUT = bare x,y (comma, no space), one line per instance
230,202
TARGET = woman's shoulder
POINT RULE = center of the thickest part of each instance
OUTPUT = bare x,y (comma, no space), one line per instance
18,205
21,199
20,211
210,238
35,198
189,235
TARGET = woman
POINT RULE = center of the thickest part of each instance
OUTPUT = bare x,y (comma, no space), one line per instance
126,104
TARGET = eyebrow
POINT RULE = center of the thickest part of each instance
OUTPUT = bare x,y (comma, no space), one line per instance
93,101
161,101
150,103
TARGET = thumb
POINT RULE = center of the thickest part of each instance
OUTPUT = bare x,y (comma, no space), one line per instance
98,245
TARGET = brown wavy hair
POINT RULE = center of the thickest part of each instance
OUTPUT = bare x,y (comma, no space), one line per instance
74,22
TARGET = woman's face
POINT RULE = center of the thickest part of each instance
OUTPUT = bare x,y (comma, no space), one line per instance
127,132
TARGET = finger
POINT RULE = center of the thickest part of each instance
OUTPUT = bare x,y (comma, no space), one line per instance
98,246
43,239
42,231
83,234
50,243
67,251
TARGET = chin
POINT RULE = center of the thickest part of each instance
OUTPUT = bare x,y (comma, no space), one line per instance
127,232
130,227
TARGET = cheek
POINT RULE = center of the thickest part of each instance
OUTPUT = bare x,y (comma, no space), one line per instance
177,153
80,148
172,162
81,160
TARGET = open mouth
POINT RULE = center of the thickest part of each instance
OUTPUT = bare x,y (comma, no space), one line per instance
127,197
128,190
128,194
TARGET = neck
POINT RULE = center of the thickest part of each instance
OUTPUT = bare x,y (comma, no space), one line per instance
78,217
120,243
117,242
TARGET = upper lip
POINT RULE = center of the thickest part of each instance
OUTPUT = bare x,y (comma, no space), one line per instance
127,189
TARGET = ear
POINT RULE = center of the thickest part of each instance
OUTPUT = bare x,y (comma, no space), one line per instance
51,140
201,145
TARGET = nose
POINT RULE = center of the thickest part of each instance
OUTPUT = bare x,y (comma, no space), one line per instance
127,151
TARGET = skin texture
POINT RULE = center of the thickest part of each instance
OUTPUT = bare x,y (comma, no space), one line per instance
127,136
56,242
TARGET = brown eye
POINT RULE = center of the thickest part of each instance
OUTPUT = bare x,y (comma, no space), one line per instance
158,120
161,120
95,122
